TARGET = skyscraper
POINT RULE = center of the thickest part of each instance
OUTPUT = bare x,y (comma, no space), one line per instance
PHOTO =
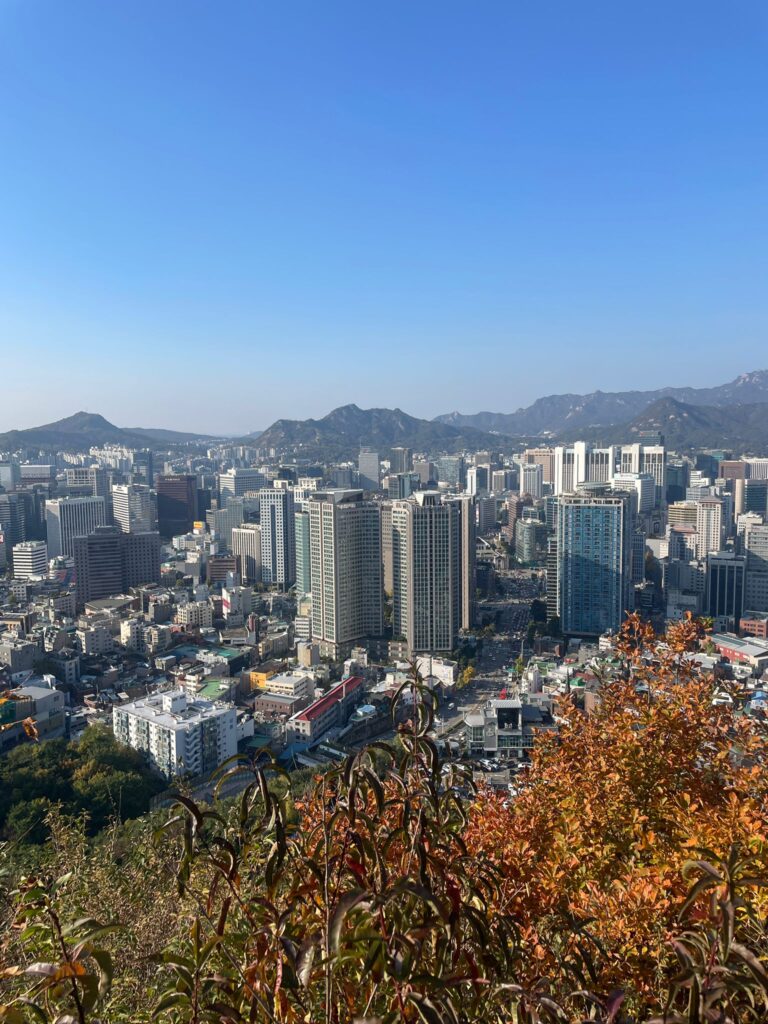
467,559
176,503
426,570
67,518
401,460
594,562
726,573
237,482
246,546
346,575
303,552
134,508
368,470
14,510
532,479
108,562
278,536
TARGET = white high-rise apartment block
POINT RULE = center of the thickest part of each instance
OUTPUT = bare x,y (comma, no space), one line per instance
278,537
30,559
180,736
643,486
246,545
582,464
532,479
426,571
67,518
134,508
346,569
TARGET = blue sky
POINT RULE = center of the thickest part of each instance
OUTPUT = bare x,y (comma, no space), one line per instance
215,214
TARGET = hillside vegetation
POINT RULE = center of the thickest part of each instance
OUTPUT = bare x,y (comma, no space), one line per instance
623,883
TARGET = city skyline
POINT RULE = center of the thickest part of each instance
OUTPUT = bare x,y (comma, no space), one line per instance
266,194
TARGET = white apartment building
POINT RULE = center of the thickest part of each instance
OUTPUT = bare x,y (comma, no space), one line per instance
180,736
278,538
67,518
194,615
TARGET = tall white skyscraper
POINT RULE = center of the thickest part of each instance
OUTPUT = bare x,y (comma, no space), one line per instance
346,574
709,526
278,537
426,571
532,479
134,508
67,518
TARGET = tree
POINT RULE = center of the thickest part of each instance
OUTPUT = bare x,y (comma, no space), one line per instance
466,676
539,610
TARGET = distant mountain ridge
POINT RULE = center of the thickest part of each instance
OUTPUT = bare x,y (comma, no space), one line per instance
558,414
347,428
83,430
742,428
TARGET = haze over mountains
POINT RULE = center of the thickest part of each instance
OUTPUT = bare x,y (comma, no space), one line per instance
85,429
562,414
732,415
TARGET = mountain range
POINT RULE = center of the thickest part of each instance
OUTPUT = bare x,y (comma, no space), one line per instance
344,430
84,429
560,415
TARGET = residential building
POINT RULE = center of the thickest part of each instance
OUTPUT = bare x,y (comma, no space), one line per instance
180,736
346,570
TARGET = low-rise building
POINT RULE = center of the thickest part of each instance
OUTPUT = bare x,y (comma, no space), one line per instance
506,728
330,711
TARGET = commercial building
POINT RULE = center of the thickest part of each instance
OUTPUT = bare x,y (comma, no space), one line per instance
594,562
109,562
401,460
532,479
278,536
134,508
67,518
330,711
506,728
346,570
246,547
368,470
303,552
176,503
237,482
30,559
180,736
726,573
427,571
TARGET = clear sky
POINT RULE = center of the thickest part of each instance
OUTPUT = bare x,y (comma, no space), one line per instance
216,213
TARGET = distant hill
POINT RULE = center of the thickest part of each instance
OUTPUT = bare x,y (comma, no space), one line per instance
84,429
345,429
684,426
560,414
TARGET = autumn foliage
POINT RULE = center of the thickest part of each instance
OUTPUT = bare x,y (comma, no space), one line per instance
622,883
